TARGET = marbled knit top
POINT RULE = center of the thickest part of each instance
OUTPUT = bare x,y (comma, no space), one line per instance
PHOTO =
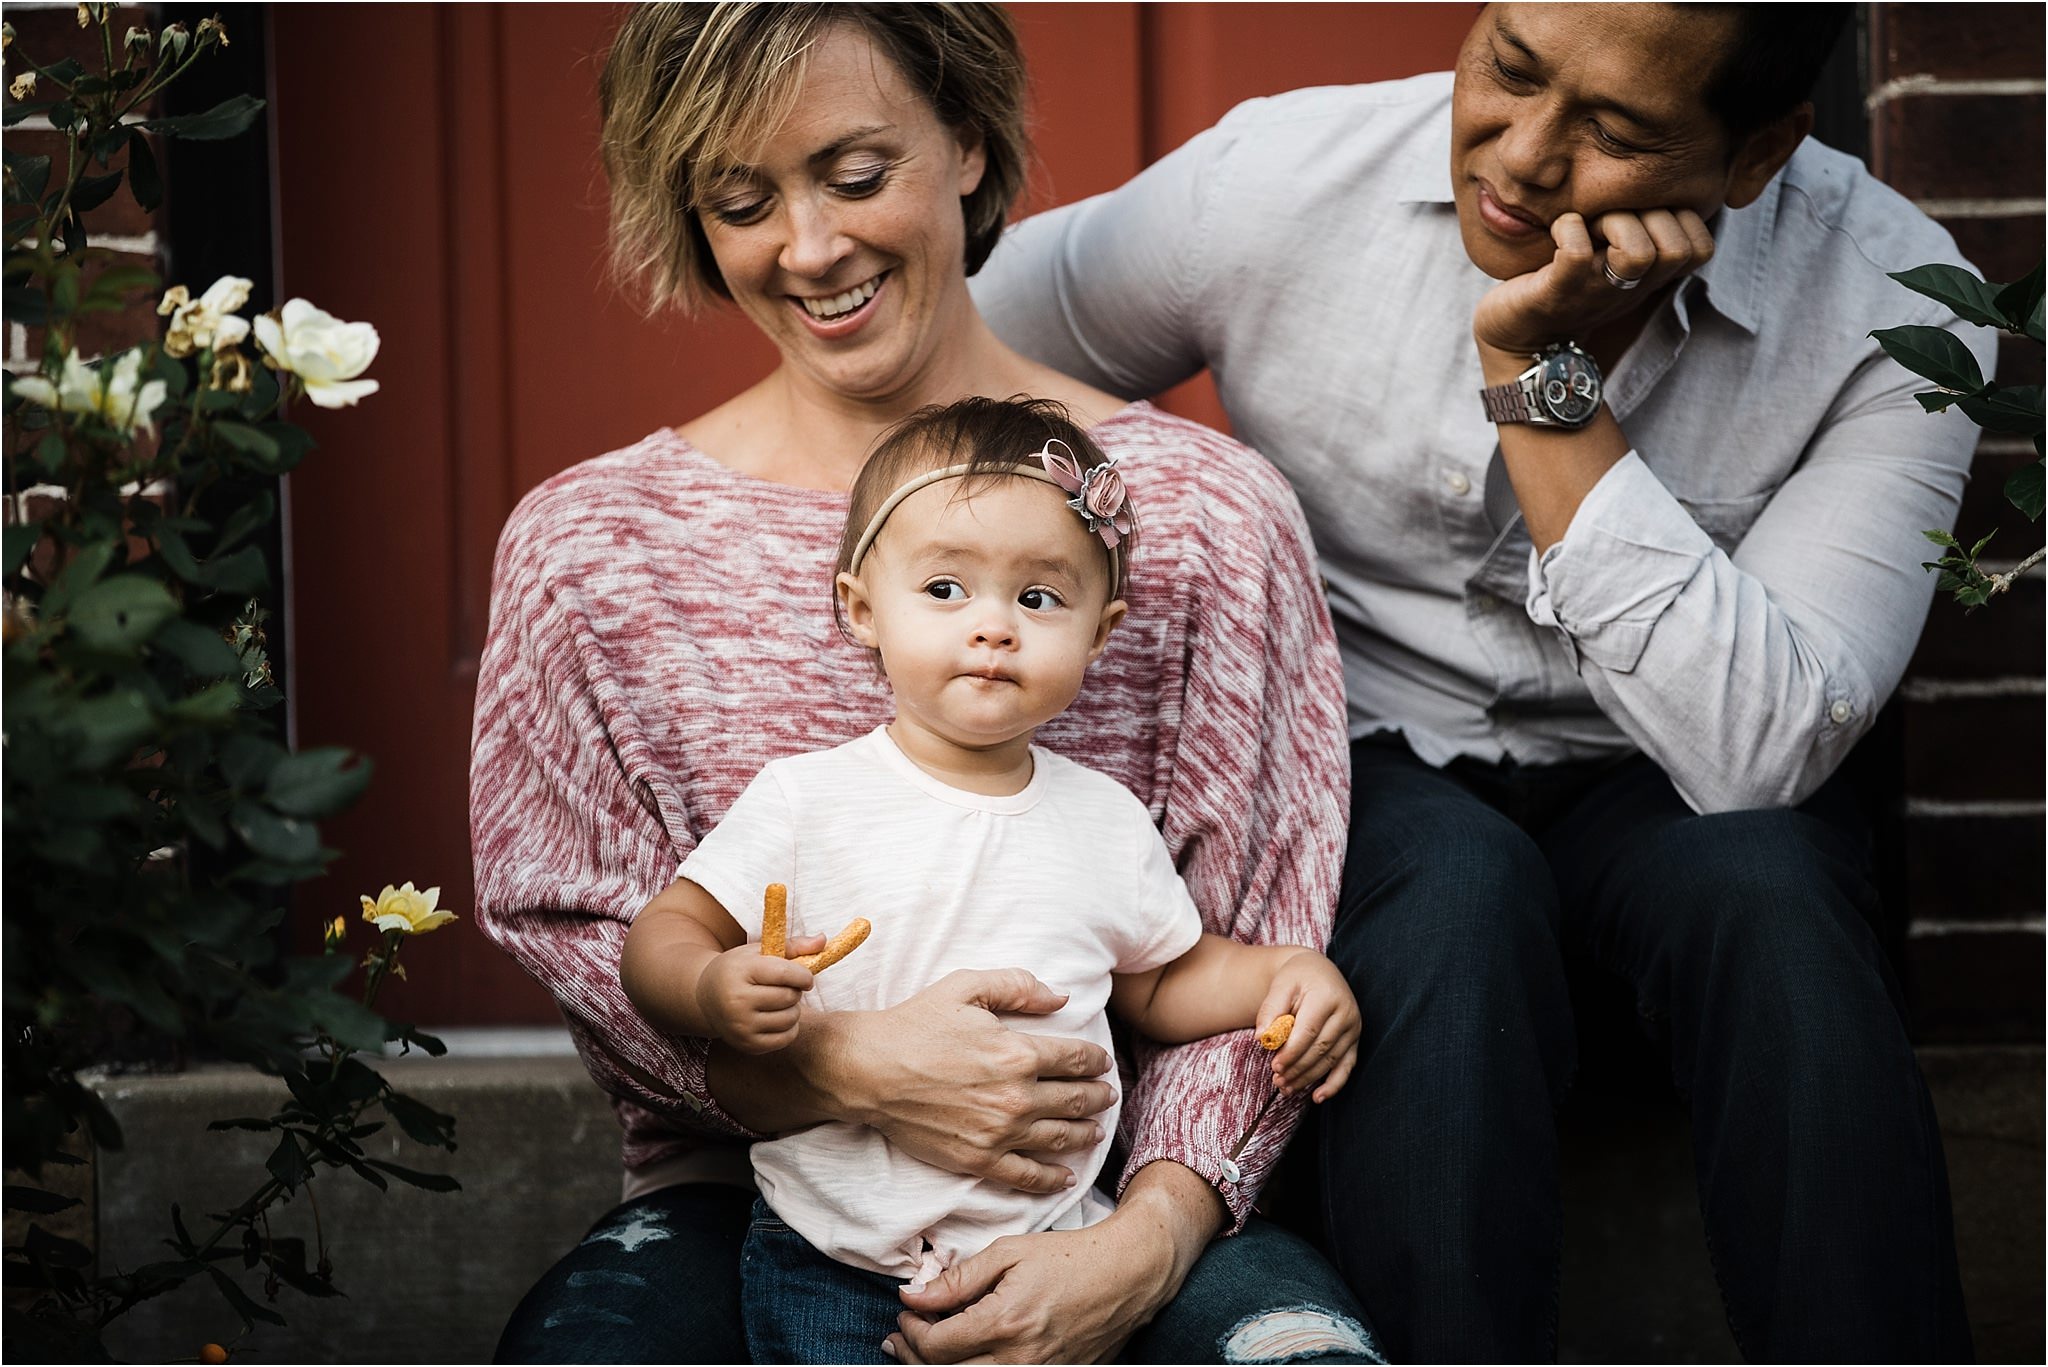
662,627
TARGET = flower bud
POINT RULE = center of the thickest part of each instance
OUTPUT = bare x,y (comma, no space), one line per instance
84,14
213,30
23,86
6,36
138,40
176,38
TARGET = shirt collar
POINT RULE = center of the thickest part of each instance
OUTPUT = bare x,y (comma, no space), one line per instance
1742,238
1734,275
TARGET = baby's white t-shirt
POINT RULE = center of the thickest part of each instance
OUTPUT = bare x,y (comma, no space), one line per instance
1068,879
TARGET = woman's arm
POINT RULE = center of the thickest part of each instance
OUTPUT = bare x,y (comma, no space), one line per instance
940,1076
1070,1296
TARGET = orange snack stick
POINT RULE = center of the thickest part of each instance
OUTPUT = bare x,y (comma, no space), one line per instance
838,947
775,922
1276,1032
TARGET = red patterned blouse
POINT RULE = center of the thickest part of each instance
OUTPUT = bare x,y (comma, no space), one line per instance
661,628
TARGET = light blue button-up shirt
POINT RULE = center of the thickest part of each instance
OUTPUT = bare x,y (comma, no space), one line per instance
1736,597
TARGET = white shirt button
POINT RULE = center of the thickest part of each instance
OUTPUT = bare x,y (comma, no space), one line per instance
1456,482
1841,712
1231,1172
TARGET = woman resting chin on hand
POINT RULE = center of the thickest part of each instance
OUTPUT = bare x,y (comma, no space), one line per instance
661,629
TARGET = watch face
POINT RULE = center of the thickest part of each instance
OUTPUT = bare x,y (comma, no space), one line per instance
1569,387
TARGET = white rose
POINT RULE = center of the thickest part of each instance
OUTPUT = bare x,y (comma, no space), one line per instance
324,352
116,393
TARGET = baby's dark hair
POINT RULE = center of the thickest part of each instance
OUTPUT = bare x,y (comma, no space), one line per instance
993,437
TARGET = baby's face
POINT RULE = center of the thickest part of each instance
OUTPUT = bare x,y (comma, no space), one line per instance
987,609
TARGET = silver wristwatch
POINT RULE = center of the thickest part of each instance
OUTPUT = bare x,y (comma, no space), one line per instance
1561,390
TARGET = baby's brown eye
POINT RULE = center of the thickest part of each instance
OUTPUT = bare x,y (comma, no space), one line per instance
1039,600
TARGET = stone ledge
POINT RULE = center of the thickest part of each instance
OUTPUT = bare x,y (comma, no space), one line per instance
431,1278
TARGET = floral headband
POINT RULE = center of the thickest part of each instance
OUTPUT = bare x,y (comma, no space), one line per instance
1098,496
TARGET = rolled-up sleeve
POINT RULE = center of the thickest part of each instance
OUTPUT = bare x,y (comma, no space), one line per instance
1748,676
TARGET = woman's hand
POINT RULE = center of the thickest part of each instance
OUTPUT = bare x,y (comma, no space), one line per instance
1071,1295
949,1083
1323,1045
1570,296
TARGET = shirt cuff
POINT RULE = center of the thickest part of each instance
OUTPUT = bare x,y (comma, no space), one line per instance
1204,1106
1629,551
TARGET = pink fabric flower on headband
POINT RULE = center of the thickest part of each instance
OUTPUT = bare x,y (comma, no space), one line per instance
1098,491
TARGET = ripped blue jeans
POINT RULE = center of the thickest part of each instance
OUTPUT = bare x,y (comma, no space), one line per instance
658,1280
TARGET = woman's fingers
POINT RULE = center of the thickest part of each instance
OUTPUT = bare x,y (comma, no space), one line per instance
1061,1136
1027,1174
1070,1058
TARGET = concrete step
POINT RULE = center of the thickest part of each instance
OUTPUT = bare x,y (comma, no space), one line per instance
430,1277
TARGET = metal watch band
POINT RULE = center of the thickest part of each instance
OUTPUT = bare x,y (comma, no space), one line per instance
1506,402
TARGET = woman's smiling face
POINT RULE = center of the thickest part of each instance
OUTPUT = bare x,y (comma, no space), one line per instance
841,236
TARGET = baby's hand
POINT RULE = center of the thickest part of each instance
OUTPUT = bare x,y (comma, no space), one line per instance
1323,1045
751,998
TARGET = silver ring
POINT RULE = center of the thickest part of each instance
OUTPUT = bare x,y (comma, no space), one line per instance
1619,282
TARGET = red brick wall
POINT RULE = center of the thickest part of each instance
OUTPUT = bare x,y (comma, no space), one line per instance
49,34
1956,125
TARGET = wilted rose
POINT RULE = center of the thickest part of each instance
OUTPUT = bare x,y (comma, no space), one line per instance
324,352
208,322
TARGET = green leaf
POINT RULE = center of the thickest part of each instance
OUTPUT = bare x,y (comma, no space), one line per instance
203,653
27,178
273,836
2015,410
2017,302
1968,297
107,142
430,1181
94,191
211,706
351,1023
425,1124
224,120
2033,328
143,180
113,287
249,441
16,543
1935,353
109,728
2023,490
38,1201
316,782
239,1299
1936,400
122,612
248,518
82,573
247,759
64,289
287,1163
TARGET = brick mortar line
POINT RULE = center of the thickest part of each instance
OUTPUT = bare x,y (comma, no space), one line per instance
1925,83
1921,929
1981,208
1974,810
1945,690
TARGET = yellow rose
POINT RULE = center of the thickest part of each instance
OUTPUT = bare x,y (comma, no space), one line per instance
406,909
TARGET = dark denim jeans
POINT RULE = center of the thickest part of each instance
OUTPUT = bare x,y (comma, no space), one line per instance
659,1280
1746,940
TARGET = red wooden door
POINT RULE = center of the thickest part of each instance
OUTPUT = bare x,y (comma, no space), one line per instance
437,175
